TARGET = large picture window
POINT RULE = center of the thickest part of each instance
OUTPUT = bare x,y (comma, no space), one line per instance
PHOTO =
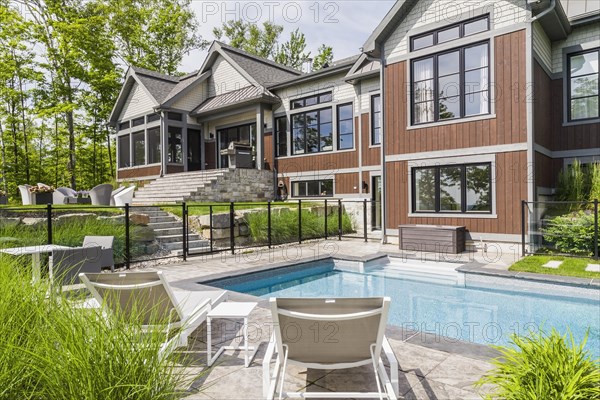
316,188
312,131
376,119
450,85
281,136
311,100
345,126
175,148
451,32
153,145
452,189
584,75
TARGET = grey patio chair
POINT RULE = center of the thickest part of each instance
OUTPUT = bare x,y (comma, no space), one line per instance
64,195
67,264
355,328
100,195
107,254
113,193
148,297
26,197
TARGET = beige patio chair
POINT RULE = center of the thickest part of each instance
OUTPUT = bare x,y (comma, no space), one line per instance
64,195
106,254
26,196
353,336
148,297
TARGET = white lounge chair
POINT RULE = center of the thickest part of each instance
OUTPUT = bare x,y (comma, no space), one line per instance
125,196
355,338
26,196
148,296
114,192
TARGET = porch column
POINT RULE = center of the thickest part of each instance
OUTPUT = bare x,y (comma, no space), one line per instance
260,136
163,143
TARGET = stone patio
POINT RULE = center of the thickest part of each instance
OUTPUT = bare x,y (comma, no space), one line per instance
430,367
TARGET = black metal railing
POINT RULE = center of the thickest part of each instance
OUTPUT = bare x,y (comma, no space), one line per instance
560,227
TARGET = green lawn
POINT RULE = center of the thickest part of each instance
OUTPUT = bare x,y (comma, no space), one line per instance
571,266
204,209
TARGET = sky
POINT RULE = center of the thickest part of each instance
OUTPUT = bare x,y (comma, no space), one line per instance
344,25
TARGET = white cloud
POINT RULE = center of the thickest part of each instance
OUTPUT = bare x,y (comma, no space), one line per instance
343,25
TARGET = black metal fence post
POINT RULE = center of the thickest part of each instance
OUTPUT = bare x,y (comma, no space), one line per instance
365,219
210,227
127,247
269,224
326,233
523,205
299,221
232,227
49,222
340,219
184,214
596,255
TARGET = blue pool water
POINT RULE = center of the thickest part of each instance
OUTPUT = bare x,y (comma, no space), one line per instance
451,312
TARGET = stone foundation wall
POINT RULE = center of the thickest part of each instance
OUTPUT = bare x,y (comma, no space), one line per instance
239,185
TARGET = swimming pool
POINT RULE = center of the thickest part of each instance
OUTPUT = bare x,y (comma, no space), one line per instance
449,310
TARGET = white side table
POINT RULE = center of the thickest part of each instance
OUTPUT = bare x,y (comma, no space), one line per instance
231,310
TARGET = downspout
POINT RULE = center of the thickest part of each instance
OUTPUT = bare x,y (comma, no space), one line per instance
545,12
384,202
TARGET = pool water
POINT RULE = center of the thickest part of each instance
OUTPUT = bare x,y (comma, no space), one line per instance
449,311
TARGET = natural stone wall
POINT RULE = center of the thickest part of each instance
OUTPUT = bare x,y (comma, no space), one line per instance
239,185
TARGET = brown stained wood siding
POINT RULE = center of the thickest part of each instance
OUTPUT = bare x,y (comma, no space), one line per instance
318,162
509,126
546,170
509,188
370,155
366,177
345,183
268,149
542,107
210,157
140,172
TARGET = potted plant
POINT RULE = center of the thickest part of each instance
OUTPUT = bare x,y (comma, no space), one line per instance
41,194
3,197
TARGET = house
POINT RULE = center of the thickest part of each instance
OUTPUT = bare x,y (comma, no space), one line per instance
453,114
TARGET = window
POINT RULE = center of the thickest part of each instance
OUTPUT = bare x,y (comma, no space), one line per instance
452,189
281,136
448,33
154,145
583,90
345,126
137,121
375,119
175,148
317,188
152,117
124,125
311,100
312,131
449,85
173,116
139,148
124,148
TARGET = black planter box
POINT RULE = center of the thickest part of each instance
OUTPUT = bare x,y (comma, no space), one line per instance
42,198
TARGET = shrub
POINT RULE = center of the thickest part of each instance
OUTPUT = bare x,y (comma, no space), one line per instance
284,225
544,366
595,181
572,233
51,350
572,183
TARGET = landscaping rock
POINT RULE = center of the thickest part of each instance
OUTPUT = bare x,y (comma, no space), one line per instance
118,219
219,221
10,222
139,219
142,234
74,218
219,233
243,229
34,221
151,248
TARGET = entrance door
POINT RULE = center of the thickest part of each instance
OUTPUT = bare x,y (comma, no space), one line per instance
194,150
376,198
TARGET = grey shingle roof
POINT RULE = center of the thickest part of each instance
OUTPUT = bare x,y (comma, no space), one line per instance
339,65
182,85
234,97
159,85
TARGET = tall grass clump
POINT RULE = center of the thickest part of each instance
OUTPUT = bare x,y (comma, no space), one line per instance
50,349
544,366
284,225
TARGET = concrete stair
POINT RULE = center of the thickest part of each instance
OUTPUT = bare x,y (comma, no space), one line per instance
208,186
169,232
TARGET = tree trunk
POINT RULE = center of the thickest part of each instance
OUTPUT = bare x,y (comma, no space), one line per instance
3,151
110,159
71,165
23,121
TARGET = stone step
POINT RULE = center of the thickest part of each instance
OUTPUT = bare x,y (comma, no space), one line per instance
151,214
176,238
171,230
192,244
162,219
162,225
163,193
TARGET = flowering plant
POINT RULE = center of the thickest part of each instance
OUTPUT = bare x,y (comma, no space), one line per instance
2,193
41,189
